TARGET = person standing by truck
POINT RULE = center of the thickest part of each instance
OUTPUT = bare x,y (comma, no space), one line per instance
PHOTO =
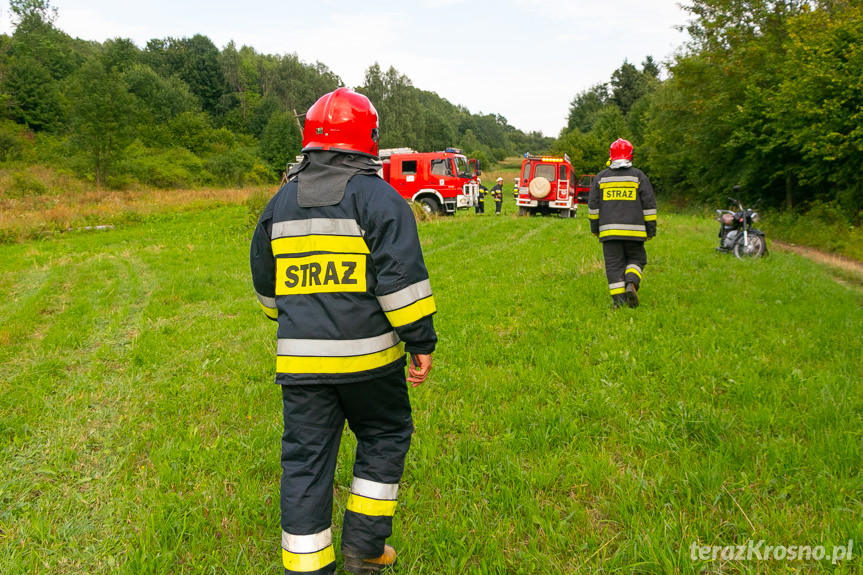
336,261
497,194
482,192
622,213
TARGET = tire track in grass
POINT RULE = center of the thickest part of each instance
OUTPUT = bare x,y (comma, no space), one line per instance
73,372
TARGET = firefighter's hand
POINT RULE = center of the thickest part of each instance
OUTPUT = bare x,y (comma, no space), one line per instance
419,369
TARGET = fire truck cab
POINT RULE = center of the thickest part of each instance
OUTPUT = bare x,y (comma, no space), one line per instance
548,185
582,188
441,182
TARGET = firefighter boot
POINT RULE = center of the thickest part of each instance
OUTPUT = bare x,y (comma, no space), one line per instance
355,564
631,295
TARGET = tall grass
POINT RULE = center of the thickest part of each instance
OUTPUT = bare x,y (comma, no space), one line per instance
140,428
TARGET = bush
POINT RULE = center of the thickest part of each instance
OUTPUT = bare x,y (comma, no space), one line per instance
171,169
256,203
236,167
25,184
16,142
823,227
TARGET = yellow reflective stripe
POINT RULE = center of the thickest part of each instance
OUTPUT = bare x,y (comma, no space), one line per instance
271,312
607,183
297,364
307,562
633,271
628,233
616,291
412,313
373,507
315,243
649,218
593,216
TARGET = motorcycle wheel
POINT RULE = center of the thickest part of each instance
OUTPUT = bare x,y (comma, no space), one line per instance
754,248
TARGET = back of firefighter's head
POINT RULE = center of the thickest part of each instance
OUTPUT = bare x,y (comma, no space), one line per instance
620,150
344,121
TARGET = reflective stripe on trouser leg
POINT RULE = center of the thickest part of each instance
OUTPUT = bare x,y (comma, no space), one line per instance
313,426
379,414
636,261
309,554
633,275
614,254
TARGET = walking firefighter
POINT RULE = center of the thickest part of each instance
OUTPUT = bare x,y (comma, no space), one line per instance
336,261
622,213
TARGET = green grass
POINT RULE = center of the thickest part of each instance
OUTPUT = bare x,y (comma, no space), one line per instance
140,428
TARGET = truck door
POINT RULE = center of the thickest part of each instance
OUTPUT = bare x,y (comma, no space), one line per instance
405,176
441,173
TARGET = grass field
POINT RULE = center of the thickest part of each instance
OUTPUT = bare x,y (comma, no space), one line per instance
140,428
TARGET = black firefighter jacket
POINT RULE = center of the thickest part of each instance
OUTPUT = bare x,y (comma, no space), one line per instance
622,205
347,284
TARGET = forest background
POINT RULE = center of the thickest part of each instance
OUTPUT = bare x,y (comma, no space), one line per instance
767,94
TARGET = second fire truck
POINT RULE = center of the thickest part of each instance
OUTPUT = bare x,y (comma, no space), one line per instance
441,182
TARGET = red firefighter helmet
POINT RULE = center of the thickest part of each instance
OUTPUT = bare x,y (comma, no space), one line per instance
621,150
342,120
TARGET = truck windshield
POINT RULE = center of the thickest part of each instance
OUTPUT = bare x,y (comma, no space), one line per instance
461,167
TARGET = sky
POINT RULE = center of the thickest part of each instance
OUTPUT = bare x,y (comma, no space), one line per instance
522,59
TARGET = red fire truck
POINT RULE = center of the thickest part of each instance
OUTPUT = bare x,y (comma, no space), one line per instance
441,182
548,184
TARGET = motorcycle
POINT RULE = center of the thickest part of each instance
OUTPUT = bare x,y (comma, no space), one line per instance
736,233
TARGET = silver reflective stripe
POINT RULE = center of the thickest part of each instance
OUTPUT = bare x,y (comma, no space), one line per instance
635,228
336,347
617,285
406,296
612,179
634,267
649,212
307,543
374,490
592,212
317,226
266,301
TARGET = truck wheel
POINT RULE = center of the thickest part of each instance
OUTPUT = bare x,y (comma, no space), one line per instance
430,205
522,211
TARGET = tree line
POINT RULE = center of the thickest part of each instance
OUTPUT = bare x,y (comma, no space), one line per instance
765,95
182,112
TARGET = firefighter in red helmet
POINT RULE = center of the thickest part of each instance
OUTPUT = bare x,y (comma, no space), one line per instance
622,213
336,261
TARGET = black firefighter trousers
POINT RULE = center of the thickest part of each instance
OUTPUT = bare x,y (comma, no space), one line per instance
379,413
625,261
